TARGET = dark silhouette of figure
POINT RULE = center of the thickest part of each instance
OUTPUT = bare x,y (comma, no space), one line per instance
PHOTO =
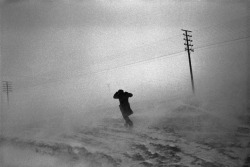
124,106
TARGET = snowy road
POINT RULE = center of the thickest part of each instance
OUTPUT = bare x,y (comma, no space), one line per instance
110,144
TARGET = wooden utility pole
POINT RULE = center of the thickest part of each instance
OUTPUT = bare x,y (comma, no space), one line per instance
189,49
7,87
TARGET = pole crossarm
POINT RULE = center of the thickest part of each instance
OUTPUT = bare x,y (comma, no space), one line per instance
186,30
189,40
7,87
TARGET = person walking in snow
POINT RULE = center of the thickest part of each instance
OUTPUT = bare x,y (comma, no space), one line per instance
124,106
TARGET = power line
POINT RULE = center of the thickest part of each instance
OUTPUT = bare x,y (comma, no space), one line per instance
122,66
138,62
219,43
116,55
143,61
149,45
169,55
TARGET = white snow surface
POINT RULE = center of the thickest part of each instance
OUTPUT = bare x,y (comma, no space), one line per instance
182,135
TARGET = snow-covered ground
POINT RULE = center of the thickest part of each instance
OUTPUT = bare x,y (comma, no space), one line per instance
185,136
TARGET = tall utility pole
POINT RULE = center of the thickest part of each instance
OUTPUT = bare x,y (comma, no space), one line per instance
189,49
7,87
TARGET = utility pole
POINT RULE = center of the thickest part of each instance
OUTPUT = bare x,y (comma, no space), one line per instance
7,87
189,49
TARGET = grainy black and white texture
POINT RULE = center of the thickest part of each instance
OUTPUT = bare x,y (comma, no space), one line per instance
63,60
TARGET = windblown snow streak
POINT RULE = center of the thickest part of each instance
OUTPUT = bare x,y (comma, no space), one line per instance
189,136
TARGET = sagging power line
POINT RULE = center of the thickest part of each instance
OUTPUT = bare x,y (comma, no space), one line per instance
189,49
145,61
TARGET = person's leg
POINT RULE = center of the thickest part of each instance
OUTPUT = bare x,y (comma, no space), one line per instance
125,116
128,121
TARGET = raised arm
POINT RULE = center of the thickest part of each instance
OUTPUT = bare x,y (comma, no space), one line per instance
129,94
116,95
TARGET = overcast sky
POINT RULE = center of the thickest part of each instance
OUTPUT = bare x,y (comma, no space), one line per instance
61,43
43,37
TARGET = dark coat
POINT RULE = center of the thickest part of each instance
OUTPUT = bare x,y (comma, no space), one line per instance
124,104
